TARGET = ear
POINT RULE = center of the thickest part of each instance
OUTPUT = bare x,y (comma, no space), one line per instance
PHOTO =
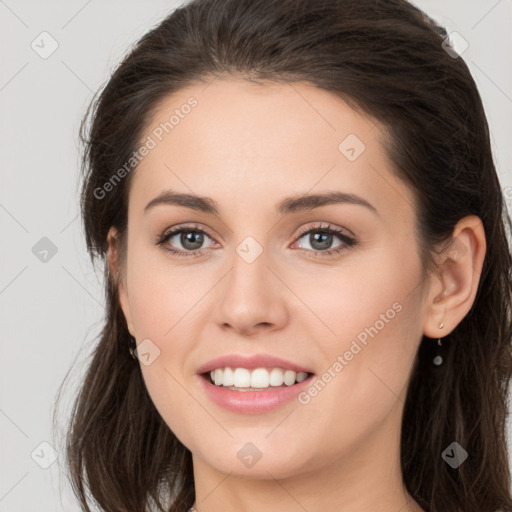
119,276
453,288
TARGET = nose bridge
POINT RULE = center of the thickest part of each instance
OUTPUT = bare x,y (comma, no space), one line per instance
249,296
249,272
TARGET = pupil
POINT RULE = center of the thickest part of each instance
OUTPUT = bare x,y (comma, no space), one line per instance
191,237
325,244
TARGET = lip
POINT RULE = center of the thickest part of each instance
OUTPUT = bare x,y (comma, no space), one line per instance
251,362
253,402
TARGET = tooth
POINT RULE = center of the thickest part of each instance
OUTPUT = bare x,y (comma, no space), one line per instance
259,378
276,377
218,376
242,378
289,377
228,377
301,376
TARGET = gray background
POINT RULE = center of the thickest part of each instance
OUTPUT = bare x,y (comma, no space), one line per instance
51,310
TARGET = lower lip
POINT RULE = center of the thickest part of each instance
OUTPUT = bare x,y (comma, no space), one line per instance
253,402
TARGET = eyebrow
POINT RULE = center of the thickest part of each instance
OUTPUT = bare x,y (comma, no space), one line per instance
287,206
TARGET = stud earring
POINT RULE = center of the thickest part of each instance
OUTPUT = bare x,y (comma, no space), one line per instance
133,346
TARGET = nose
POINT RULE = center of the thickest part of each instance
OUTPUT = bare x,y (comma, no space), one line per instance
251,298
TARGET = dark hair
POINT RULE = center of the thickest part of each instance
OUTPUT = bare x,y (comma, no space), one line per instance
386,59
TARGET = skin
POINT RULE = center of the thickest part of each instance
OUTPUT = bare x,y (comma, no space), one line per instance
248,146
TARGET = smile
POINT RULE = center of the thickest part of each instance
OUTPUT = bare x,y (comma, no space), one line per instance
253,392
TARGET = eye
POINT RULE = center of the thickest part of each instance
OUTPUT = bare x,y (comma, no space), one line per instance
320,239
191,239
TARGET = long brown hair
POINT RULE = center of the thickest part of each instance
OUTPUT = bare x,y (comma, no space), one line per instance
387,59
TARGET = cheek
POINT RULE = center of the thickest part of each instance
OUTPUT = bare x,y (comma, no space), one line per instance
162,299
357,298
160,292
374,311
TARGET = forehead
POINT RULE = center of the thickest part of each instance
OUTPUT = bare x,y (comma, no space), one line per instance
235,116
246,142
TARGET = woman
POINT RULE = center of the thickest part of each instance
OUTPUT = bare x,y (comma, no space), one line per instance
307,270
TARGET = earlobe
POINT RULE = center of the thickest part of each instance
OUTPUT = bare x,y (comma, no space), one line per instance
115,271
456,283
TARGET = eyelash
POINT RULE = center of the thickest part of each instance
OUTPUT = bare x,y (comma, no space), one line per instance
347,240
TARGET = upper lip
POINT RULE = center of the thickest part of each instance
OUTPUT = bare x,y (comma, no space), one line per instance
251,362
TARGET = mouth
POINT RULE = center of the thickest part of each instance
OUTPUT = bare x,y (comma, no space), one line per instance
254,391
253,383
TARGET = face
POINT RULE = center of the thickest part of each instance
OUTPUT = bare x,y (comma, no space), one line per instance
261,276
